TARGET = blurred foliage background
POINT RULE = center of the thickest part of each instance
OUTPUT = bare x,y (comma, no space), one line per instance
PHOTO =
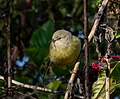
32,23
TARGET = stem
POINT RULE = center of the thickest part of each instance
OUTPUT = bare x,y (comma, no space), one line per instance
86,51
9,73
108,80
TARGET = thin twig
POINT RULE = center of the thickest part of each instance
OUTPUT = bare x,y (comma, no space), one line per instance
9,73
8,54
86,51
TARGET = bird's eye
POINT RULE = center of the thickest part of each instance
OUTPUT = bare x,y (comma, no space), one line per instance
59,38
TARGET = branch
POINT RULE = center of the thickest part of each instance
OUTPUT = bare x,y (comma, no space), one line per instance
93,30
30,86
97,20
38,88
74,73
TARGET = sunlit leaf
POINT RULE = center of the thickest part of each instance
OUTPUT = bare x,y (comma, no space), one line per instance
98,88
118,36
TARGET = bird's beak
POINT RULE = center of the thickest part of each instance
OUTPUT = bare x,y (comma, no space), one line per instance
53,40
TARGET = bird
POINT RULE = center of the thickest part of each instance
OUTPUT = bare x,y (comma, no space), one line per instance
64,48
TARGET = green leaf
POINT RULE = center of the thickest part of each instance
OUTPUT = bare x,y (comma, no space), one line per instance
117,34
42,36
54,85
37,54
39,43
58,70
98,88
25,79
115,71
117,85
42,95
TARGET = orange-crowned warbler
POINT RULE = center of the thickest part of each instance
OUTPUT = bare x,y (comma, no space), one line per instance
64,48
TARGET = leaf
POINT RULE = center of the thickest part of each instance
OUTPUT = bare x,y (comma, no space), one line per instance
58,70
54,85
98,88
115,71
115,86
42,95
37,54
42,36
39,43
112,88
118,36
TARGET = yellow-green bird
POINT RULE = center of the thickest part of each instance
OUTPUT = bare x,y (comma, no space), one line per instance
64,48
